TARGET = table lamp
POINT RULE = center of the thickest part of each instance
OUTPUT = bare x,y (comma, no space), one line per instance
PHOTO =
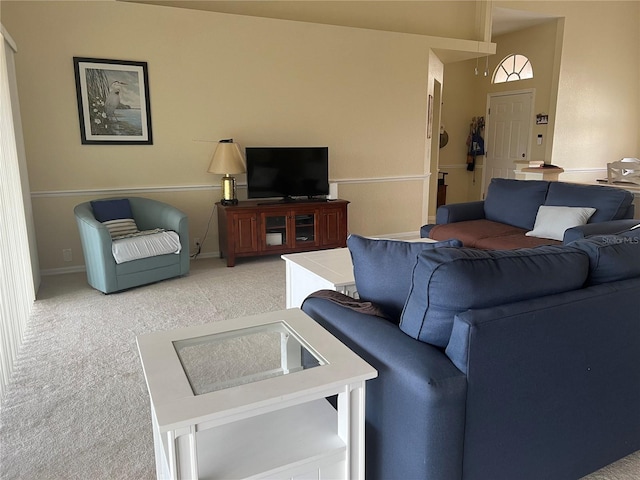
227,160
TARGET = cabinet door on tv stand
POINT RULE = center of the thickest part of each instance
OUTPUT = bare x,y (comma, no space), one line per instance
334,227
274,230
305,227
245,232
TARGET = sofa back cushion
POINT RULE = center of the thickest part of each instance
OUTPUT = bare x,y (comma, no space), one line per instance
610,203
514,202
382,269
448,281
611,257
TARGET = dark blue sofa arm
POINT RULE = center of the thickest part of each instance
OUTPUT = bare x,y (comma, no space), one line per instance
553,383
414,408
602,228
425,229
455,212
460,212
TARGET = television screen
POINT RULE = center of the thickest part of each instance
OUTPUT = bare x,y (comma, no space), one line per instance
287,172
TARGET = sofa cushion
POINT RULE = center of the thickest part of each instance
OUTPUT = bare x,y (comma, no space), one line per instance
610,203
382,269
105,210
469,232
552,221
448,281
514,202
511,242
611,257
116,215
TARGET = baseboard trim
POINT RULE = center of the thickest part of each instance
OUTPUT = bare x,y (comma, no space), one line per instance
207,255
458,166
398,236
47,272
81,268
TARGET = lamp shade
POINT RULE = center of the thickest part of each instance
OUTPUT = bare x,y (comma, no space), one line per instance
227,159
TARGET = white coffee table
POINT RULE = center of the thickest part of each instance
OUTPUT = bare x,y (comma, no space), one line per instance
245,398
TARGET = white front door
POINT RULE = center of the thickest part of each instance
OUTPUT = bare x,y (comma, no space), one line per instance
508,134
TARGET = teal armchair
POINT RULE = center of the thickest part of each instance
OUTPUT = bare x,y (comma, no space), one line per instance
104,274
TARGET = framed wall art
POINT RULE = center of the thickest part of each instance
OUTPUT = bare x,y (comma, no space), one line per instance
430,116
113,101
542,119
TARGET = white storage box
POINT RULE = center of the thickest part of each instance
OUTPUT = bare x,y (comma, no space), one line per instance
274,239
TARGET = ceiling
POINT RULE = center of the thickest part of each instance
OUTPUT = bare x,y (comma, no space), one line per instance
443,18
505,20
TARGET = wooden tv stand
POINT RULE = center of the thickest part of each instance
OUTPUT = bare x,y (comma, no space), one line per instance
269,227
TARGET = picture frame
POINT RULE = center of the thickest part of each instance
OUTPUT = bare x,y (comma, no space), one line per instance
430,117
113,101
542,119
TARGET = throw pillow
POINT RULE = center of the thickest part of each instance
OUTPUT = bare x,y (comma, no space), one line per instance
116,215
551,222
449,281
611,257
121,227
382,269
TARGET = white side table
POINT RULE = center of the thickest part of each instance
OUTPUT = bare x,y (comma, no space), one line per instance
245,398
524,172
309,272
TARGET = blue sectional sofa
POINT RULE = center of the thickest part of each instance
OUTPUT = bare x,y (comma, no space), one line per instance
512,208
520,364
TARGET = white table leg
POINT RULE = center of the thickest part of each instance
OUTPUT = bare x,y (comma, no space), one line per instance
182,453
290,354
162,468
289,285
348,290
351,408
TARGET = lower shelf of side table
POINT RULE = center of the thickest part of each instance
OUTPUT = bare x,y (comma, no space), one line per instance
294,441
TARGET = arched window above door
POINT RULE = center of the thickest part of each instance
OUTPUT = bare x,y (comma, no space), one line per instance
513,68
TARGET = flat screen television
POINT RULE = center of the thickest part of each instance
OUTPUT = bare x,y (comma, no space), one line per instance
287,172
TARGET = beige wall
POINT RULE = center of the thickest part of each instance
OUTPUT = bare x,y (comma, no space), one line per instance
587,83
462,100
468,95
212,76
596,120
431,162
271,82
538,44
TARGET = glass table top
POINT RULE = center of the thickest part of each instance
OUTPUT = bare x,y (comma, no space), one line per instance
237,357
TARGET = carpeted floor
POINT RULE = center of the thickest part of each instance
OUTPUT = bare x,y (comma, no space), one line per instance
77,405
